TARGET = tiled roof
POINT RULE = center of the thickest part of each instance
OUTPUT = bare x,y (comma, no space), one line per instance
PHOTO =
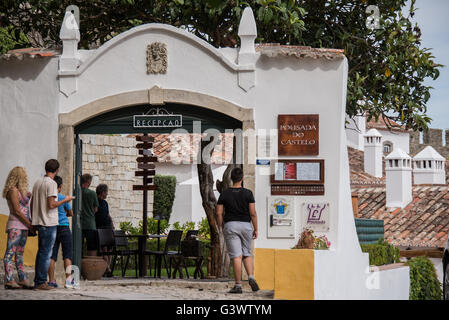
275,49
381,125
358,177
183,148
423,223
20,54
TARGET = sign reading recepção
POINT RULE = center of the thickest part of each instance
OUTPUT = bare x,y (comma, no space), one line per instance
157,121
298,134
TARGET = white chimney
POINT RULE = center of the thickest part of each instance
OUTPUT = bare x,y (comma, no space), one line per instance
429,167
398,167
373,153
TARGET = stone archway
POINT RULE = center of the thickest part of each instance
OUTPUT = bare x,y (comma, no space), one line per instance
154,96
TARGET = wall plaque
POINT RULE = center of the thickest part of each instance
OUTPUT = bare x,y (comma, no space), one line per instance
298,134
316,216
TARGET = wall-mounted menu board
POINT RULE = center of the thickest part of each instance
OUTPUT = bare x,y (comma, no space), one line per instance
297,177
298,171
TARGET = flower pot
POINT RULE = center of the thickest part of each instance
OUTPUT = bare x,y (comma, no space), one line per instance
93,268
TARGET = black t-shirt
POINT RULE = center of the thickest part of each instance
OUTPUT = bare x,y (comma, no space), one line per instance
236,203
102,218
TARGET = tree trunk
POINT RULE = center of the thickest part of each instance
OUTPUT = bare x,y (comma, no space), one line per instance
206,183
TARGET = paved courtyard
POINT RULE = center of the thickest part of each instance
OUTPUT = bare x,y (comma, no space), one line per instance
135,289
140,289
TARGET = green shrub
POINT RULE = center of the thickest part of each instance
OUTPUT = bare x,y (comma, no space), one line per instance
204,229
189,225
164,195
424,283
151,226
381,253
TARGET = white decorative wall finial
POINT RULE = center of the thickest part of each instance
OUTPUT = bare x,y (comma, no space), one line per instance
69,60
247,53
69,28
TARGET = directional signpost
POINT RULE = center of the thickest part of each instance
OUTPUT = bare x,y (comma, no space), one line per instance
145,162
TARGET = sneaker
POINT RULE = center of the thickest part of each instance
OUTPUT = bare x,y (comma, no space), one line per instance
43,286
236,289
71,285
253,284
53,284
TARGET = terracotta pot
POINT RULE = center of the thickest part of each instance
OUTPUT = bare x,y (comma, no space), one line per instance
93,268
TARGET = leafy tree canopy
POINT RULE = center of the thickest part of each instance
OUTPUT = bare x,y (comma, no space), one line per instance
387,65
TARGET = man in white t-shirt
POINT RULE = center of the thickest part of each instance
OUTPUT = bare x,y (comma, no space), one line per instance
44,212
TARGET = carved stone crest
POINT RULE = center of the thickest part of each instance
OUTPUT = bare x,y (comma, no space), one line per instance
156,58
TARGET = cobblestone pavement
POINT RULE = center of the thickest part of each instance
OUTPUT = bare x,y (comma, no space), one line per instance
135,289
140,289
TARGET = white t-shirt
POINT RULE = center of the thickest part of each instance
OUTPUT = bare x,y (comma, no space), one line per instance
42,215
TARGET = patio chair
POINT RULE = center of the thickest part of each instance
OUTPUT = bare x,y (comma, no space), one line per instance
171,250
190,250
106,239
122,250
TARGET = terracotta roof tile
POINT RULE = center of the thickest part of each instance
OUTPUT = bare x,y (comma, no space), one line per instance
423,223
20,54
275,49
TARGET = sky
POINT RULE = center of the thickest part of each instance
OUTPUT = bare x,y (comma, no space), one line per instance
432,18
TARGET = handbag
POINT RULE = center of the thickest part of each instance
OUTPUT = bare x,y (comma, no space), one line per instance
32,233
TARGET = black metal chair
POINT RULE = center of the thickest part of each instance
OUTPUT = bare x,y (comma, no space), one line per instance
171,250
190,251
122,250
106,239
191,233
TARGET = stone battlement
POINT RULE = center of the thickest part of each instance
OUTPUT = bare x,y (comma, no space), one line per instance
432,137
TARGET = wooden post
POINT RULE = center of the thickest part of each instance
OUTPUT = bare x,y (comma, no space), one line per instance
145,164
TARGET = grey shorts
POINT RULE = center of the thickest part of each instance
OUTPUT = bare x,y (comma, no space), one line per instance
238,236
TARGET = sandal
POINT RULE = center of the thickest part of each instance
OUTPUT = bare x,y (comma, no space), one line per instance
25,285
12,285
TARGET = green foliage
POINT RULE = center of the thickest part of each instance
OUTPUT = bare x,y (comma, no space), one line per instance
151,225
189,225
424,283
11,38
387,66
164,195
204,229
381,253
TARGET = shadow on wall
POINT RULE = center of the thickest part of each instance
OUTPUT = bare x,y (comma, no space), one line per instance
27,70
295,64
29,256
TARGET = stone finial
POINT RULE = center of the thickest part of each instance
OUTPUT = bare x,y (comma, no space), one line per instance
247,53
69,59
69,28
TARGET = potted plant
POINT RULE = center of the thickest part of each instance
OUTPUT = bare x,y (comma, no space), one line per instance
308,241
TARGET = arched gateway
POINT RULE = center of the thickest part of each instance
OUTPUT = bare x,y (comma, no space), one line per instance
292,98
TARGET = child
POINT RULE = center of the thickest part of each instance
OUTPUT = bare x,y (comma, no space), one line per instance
63,237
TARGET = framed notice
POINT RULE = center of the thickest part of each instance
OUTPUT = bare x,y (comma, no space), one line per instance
298,171
298,134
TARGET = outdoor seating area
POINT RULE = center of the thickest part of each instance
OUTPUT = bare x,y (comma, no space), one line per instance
173,257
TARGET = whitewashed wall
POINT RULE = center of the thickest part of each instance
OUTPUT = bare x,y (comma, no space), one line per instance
399,139
28,117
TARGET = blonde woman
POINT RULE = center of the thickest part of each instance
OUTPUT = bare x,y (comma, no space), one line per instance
16,194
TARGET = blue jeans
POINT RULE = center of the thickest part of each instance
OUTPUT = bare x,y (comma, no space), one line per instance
46,240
